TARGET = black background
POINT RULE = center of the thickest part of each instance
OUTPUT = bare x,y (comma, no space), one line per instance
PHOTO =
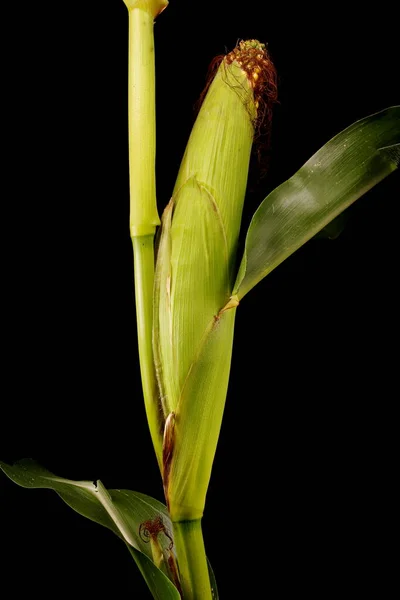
301,492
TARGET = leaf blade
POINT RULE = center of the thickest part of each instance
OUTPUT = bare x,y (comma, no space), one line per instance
122,511
344,169
159,585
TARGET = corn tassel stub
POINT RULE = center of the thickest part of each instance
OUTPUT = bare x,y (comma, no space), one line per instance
194,317
153,7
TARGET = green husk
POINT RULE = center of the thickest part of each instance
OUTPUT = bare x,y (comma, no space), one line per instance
192,335
193,315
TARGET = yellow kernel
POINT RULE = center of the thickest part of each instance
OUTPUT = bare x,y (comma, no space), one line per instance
255,76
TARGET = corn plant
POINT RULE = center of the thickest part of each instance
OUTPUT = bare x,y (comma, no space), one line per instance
189,286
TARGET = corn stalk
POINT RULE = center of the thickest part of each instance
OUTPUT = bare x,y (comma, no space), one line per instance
143,205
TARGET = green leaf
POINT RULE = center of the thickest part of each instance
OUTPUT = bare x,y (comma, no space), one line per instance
340,172
122,511
159,585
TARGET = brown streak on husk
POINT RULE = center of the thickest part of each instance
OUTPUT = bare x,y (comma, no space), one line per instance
168,447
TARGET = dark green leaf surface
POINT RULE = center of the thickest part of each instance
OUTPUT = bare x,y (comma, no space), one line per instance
122,511
344,169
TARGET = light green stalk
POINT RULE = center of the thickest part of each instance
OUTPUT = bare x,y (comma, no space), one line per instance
193,568
143,207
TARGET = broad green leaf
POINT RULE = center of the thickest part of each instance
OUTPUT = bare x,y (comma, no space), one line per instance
340,172
122,511
159,585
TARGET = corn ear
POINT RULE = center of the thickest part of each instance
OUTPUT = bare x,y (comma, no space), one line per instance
219,148
193,319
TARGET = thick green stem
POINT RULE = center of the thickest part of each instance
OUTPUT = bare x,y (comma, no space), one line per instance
142,124
143,254
143,206
193,569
